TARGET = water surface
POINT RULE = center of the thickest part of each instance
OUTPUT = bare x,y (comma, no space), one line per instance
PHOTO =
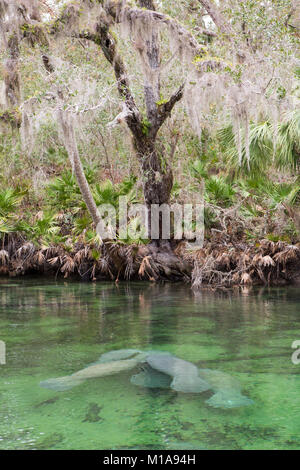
53,329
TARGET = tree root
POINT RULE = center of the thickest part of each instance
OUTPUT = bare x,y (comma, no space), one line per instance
267,263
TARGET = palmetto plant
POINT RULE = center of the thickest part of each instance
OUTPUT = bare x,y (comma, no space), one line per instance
109,193
106,193
198,169
260,148
135,225
10,199
81,224
288,141
45,229
5,227
277,142
64,191
280,193
219,191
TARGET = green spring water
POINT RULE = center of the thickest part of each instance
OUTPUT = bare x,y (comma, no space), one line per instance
53,329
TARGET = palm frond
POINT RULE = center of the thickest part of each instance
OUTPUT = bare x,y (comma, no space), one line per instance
288,141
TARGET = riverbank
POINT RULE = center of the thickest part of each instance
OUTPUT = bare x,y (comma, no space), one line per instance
216,264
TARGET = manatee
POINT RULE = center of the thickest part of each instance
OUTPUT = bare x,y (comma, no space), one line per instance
98,370
160,370
185,374
151,378
118,355
227,390
229,399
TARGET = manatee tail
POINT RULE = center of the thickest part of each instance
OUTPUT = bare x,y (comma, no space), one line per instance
229,399
61,383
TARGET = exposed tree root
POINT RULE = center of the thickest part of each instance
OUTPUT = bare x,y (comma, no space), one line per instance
268,263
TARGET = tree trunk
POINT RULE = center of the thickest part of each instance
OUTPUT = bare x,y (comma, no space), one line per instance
71,146
157,175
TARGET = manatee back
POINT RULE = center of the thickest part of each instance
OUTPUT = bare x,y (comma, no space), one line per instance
118,355
107,368
171,365
184,373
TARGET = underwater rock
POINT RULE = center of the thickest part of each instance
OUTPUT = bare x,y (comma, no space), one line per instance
92,415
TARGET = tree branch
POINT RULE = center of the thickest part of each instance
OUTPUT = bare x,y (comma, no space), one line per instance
165,109
105,40
217,17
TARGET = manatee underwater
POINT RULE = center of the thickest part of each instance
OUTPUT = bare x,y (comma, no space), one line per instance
159,370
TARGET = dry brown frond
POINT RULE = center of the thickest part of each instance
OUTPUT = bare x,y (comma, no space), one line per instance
246,279
236,278
199,254
39,258
256,260
68,266
50,252
25,250
55,261
82,255
279,246
223,261
244,260
60,216
266,261
4,258
267,246
148,268
39,215
291,253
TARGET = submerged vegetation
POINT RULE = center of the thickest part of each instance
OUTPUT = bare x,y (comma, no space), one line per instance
107,99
